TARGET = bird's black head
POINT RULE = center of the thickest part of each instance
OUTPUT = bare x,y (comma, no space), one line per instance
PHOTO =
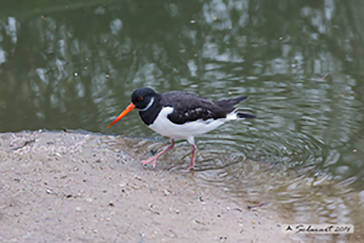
142,98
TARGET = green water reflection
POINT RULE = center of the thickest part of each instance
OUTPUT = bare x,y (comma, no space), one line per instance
74,65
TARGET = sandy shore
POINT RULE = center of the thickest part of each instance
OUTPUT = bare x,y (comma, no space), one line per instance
58,187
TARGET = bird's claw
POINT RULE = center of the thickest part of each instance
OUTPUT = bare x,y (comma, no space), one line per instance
152,159
188,168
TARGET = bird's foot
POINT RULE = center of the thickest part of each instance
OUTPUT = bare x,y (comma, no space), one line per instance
152,159
188,168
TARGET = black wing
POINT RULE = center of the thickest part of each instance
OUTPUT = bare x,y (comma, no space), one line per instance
189,107
228,105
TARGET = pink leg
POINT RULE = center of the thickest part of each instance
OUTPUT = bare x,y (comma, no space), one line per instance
194,148
155,157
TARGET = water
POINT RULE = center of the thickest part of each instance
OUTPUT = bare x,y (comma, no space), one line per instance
74,65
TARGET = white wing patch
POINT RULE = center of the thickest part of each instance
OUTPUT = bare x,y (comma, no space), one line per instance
232,116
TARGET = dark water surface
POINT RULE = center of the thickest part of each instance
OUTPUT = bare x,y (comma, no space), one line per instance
74,65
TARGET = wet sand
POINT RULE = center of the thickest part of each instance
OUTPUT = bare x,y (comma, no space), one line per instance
58,186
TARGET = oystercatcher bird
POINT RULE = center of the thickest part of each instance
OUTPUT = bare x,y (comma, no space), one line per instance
181,115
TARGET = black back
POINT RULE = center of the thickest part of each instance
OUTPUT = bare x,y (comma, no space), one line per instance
190,107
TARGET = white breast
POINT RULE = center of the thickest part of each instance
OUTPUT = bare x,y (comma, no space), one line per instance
165,127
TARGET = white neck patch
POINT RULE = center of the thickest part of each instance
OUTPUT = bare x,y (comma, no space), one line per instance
149,105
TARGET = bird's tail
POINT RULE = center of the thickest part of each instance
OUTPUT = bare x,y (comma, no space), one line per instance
245,115
237,114
233,112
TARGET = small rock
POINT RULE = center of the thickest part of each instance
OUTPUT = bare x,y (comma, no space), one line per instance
199,222
171,234
167,192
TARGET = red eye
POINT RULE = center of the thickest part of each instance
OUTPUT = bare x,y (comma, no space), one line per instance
140,98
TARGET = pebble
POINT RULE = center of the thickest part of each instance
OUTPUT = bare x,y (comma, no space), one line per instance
122,184
167,192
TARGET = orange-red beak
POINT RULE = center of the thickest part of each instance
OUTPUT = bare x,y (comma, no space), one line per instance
124,113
